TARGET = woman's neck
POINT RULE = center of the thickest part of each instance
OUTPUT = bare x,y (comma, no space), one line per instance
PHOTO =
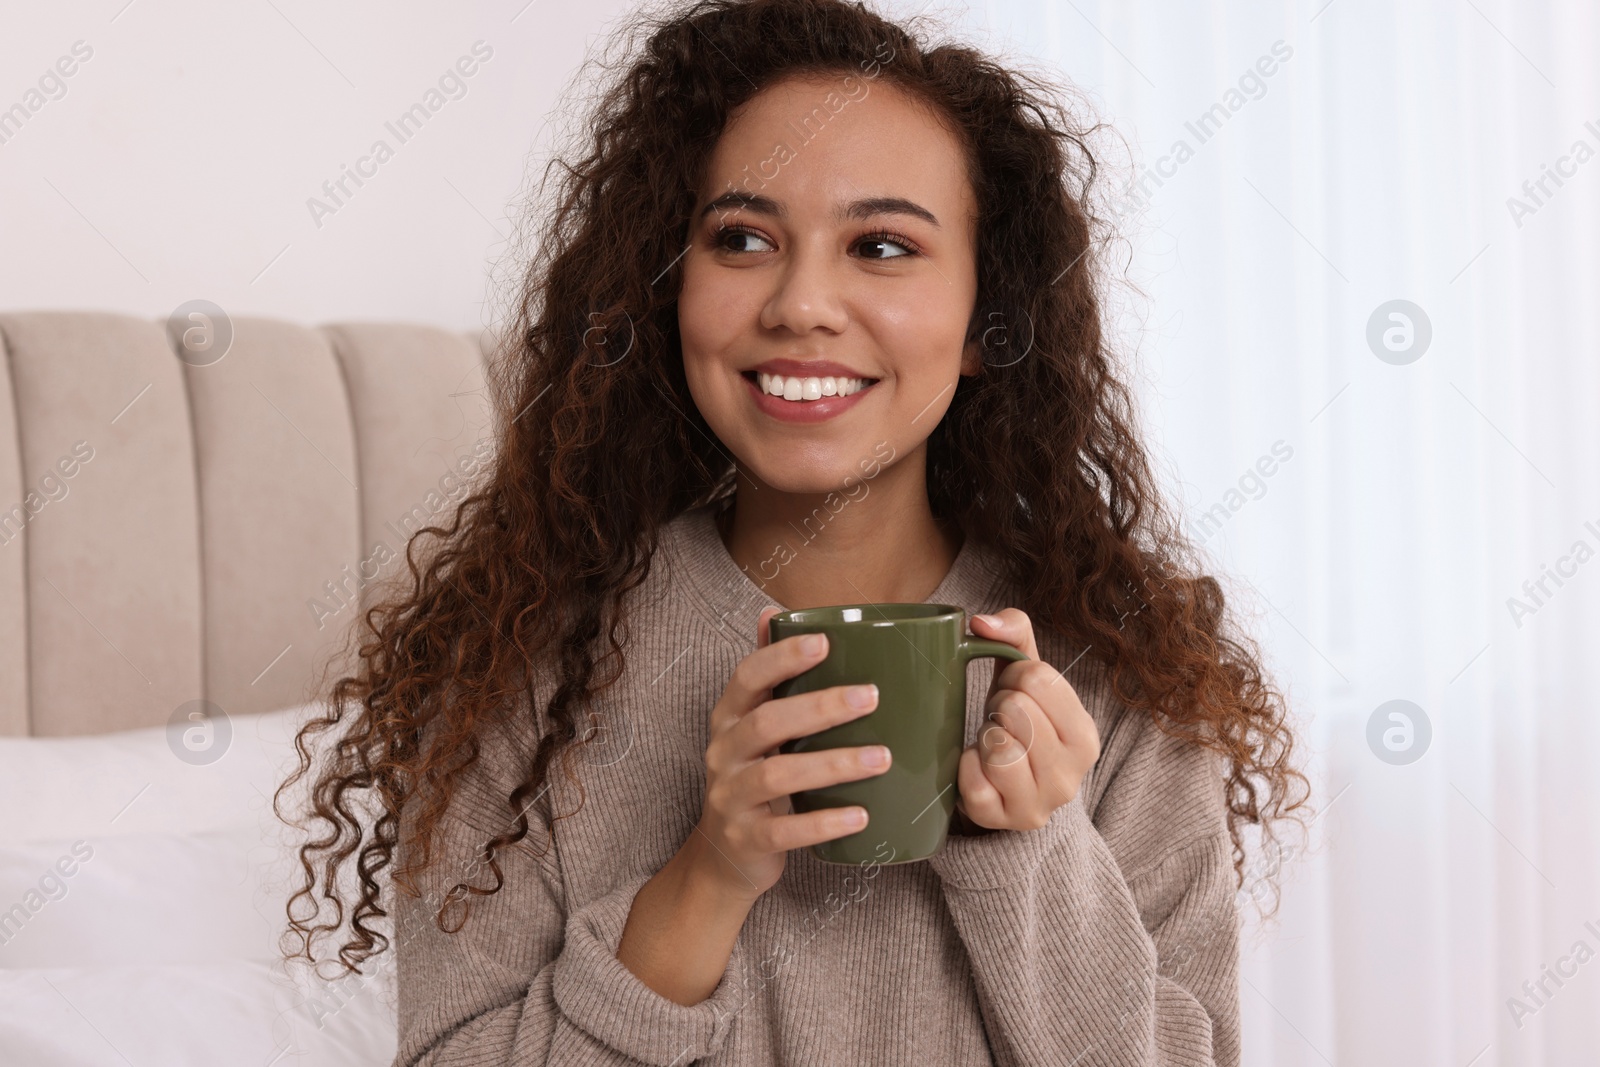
877,546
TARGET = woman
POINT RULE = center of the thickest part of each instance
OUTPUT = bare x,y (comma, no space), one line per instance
815,319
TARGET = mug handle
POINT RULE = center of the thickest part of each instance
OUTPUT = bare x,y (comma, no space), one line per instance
971,648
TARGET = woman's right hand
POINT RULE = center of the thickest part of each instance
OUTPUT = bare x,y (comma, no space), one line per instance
747,819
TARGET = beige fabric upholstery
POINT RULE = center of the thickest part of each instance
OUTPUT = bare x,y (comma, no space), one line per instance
219,522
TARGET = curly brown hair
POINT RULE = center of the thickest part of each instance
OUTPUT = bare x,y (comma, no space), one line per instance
1037,456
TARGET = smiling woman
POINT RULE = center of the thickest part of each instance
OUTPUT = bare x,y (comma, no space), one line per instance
841,269
568,720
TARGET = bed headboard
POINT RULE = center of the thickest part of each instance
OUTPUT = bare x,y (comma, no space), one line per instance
181,529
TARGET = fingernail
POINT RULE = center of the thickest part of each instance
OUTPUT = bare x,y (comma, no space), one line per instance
861,696
876,756
811,644
988,620
854,817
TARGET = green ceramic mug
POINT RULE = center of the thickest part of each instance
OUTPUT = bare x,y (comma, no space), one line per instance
917,654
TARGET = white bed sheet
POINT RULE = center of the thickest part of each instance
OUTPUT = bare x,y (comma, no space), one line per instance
141,906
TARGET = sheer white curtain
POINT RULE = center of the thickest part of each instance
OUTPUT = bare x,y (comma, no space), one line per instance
1416,523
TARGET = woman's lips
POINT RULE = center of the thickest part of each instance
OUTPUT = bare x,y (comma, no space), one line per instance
804,410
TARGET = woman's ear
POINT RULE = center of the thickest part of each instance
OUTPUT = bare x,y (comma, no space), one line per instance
971,358
972,350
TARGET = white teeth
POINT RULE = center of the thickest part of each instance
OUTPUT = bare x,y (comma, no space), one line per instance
803,389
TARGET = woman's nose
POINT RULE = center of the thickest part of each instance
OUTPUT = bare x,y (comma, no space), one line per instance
808,293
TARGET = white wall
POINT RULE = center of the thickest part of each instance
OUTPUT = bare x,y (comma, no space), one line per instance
178,162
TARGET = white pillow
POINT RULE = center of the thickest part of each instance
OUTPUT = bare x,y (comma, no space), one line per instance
131,782
207,1015
142,892
140,899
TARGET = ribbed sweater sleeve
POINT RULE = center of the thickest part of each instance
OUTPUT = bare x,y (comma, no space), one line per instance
526,980
1110,943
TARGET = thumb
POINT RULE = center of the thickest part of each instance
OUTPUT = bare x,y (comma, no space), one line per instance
761,626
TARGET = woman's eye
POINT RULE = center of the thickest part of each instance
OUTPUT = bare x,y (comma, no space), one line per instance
743,241
882,248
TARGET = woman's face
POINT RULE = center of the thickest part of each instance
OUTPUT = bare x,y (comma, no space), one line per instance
834,237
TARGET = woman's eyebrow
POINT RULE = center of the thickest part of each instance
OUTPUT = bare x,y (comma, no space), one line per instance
856,209
763,205
886,205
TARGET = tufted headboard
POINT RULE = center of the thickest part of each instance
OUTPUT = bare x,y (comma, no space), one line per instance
173,532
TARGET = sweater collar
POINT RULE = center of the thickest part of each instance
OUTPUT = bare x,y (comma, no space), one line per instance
735,597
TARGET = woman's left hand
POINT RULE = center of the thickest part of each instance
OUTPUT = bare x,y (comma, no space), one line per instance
1037,741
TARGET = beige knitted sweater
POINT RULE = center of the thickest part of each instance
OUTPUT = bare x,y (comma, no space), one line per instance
1109,936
